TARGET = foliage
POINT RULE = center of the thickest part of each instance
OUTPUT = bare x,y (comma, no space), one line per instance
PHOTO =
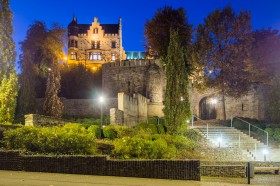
42,50
151,128
8,94
111,132
273,110
176,103
157,30
265,54
274,133
7,45
94,130
79,83
8,77
69,139
141,148
224,40
52,104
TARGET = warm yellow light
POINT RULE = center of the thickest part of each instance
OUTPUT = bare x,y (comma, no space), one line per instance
65,58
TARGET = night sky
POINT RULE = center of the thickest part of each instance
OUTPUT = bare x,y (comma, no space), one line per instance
265,13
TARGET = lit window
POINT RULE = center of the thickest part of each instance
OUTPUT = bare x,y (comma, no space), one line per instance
73,55
94,56
113,44
95,31
113,57
95,44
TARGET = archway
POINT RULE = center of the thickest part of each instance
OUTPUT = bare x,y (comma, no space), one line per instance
207,109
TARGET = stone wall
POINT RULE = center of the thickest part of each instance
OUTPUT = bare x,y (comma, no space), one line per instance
131,110
100,165
43,121
220,154
252,105
145,77
82,107
223,171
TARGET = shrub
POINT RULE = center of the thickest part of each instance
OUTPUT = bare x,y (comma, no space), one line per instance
69,139
276,135
151,128
141,148
112,132
94,130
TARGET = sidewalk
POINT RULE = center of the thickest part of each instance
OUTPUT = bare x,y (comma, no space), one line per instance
15,178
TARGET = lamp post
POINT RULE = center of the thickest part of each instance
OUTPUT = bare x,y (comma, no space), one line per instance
101,100
219,141
265,152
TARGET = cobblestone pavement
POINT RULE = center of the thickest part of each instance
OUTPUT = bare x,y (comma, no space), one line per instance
16,178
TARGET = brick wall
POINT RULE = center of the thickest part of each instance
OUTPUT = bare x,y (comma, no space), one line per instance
100,165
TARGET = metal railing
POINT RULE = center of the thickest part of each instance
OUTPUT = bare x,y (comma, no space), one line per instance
250,125
193,116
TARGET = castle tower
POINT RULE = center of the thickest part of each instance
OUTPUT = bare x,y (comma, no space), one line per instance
94,44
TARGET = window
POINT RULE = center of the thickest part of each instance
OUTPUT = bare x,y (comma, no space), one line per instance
95,44
73,55
113,44
113,56
94,56
95,31
92,44
73,43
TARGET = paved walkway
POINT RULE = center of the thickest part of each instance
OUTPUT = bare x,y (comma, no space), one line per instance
16,178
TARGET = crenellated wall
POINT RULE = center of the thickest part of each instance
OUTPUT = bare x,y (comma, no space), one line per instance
145,77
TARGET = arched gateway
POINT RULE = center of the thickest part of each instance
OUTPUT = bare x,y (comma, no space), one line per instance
207,109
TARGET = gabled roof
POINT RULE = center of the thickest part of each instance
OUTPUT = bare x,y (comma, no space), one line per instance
108,28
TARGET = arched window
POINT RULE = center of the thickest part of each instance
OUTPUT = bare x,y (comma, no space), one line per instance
95,31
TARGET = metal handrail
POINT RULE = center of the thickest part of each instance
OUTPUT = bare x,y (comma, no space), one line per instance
231,123
202,122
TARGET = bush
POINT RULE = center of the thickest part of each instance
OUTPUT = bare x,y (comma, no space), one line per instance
276,135
94,130
151,128
69,139
111,132
141,148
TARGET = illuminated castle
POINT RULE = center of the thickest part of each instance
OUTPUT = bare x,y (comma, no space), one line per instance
94,44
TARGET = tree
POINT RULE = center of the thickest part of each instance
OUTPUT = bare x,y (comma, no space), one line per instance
8,76
7,45
8,96
41,52
157,30
224,41
265,54
176,103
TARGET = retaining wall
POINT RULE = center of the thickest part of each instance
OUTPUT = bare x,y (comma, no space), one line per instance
100,165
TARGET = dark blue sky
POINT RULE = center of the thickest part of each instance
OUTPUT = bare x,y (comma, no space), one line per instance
265,13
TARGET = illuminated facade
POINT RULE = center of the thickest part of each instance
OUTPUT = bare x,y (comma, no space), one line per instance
94,44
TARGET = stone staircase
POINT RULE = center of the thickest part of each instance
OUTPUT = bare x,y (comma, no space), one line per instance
232,140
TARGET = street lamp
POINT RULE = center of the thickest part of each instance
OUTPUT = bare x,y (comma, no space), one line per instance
214,101
101,100
219,141
265,152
